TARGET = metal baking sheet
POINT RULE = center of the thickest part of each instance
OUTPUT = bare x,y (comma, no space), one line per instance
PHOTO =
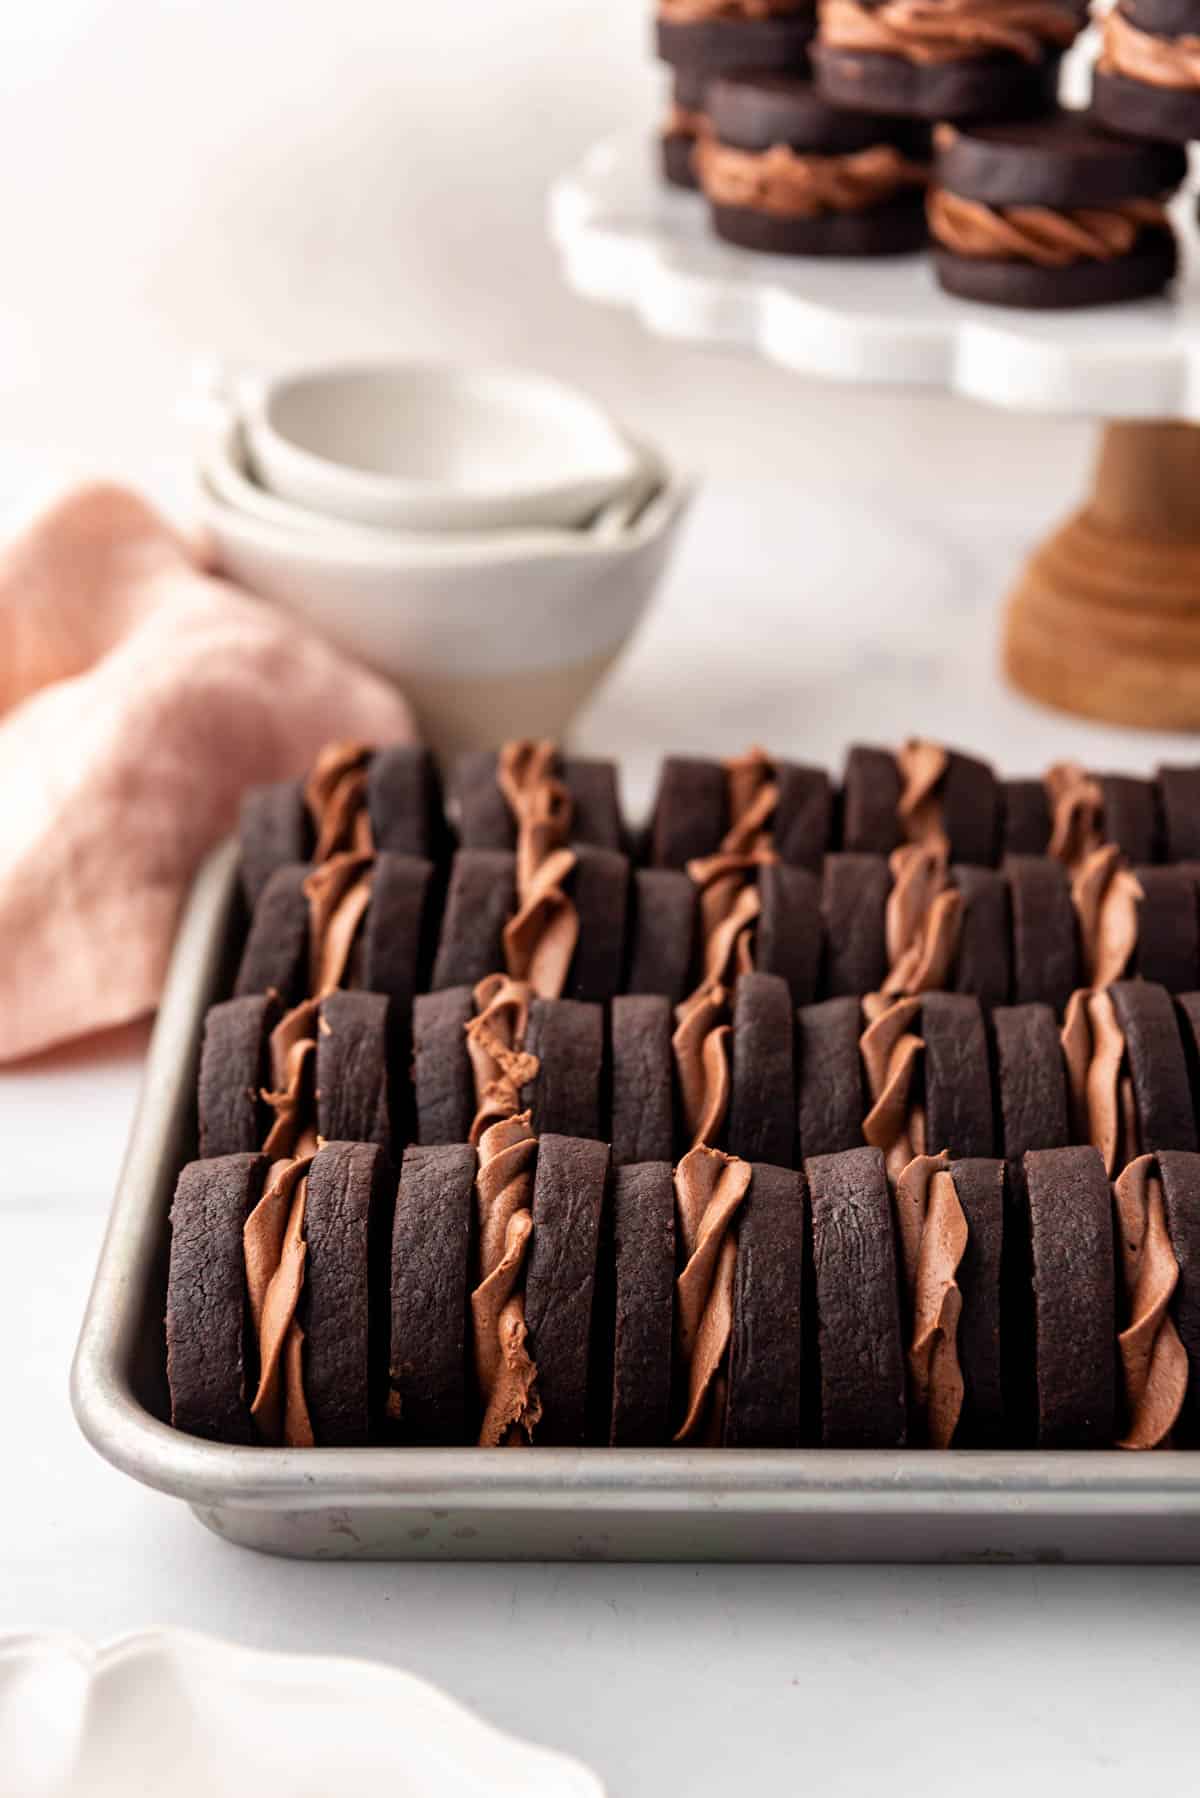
591,1504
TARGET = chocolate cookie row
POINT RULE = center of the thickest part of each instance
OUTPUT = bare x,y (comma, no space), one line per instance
968,1302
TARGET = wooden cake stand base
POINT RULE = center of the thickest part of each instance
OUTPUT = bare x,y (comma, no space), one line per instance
1105,620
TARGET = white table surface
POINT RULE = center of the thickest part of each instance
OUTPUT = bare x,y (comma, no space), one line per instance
674,1679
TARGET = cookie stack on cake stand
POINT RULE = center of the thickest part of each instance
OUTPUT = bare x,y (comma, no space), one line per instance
1104,620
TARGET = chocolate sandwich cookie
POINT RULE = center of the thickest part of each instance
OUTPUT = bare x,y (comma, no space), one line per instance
1031,1084
1073,1298
1024,818
1187,1016
207,1343
404,803
344,1305
870,801
854,908
274,828
431,1244
569,1192
1179,801
830,1104
690,811
397,933
486,821
963,59
715,37
662,933
443,1084
804,815
983,962
1168,943
762,1097
598,885
861,1348
786,172
969,798
765,1399
232,1118
1052,213
958,1086
643,1110
353,1084
567,1037
790,933
685,123
1045,939
1131,816
1157,1066
275,955
1180,1175
643,1239
980,1185
481,898
1147,79
966,793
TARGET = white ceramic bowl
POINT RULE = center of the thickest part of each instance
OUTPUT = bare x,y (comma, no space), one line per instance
420,447
167,1711
490,635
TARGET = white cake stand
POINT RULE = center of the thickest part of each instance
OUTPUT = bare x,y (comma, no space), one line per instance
1105,619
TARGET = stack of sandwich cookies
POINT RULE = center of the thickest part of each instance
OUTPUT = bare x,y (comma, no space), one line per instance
1147,80
944,59
785,171
1052,213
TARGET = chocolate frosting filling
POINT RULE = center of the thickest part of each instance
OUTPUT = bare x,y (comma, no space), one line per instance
1105,892
891,1056
1040,234
1143,56
1154,1362
709,1190
275,1252
504,1207
1103,1108
943,31
336,796
695,12
932,1231
684,121
923,919
788,184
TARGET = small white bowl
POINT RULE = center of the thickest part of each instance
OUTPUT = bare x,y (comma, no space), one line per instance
490,636
419,447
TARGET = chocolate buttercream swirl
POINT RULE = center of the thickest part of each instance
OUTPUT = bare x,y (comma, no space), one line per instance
336,796
695,12
1144,56
1107,898
932,1232
1040,234
700,1045
501,1066
292,1052
275,1254
1154,1362
540,939
1103,1108
788,184
922,767
942,31
1076,801
684,121
891,1056
709,1190
923,920
505,1371
338,892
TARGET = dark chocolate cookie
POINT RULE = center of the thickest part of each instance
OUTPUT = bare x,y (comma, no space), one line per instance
1168,946
347,1223
352,1069
870,801
431,1241
481,898
662,933
1046,964
892,228
404,803
568,1039
207,1314
1025,818
481,812
1181,1201
1142,109
1031,1082
762,1100
643,1112
765,1400
1074,1298
720,46
983,964
234,1069
274,828
979,1184
275,956
599,887
1179,793
979,87
803,826
443,1086
690,811
958,1083
971,805
854,906
643,1336
863,1380
789,938
830,1106
1131,815
396,935
677,159
1060,161
1157,1065
596,803
568,1203
1140,273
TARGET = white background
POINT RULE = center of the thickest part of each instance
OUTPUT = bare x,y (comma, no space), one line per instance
272,179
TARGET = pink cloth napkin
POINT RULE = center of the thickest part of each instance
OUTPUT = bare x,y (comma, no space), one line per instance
138,697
